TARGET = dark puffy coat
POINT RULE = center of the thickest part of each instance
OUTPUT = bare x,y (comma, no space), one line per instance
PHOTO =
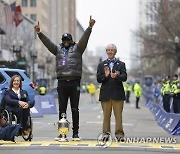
73,69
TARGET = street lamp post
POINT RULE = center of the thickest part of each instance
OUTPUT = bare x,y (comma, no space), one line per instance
21,61
176,40
33,56
17,48
48,60
177,46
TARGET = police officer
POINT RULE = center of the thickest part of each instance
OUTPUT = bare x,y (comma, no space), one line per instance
166,91
128,89
176,94
42,90
92,90
137,92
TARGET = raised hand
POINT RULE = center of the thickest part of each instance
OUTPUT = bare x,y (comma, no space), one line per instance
91,22
37,28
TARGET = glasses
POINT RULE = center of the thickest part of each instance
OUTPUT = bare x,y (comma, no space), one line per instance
109,49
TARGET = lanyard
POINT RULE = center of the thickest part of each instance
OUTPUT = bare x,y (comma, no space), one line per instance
64,60
65,52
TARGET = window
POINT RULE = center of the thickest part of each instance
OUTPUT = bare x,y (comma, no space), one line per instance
11,73
2,79
33,17
33,3
24,3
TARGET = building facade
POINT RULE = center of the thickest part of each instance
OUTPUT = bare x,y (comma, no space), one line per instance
55,18
17,43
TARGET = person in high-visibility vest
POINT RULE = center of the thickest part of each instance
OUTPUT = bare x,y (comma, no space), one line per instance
42,90
92,90
83,88
176,94
137,93
166,93
128,89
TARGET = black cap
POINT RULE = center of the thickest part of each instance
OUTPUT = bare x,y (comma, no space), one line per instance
67,35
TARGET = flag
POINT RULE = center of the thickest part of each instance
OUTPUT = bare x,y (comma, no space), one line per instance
9,15
9,12
18,17
2,32
13,7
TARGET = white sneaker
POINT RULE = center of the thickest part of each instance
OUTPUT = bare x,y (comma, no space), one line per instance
76,137
59,137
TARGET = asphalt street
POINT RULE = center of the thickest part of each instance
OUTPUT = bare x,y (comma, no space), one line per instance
139,124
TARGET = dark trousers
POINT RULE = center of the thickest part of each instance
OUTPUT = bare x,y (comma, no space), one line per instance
166,102
176,103
22,117
137,102
69,89
127,96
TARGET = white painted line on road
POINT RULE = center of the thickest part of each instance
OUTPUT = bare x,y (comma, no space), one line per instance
126,124
100,122
38,122
43,123
90,122
96,108
98,117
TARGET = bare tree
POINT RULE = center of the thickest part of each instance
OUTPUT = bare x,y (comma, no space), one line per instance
159,50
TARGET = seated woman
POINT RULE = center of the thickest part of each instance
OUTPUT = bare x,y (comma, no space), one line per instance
17,101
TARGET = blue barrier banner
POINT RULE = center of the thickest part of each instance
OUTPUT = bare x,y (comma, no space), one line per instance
148,93
36,111
172,121
47,102
176,131
148,103
161,119
168,121
155,109
151,107
158,113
